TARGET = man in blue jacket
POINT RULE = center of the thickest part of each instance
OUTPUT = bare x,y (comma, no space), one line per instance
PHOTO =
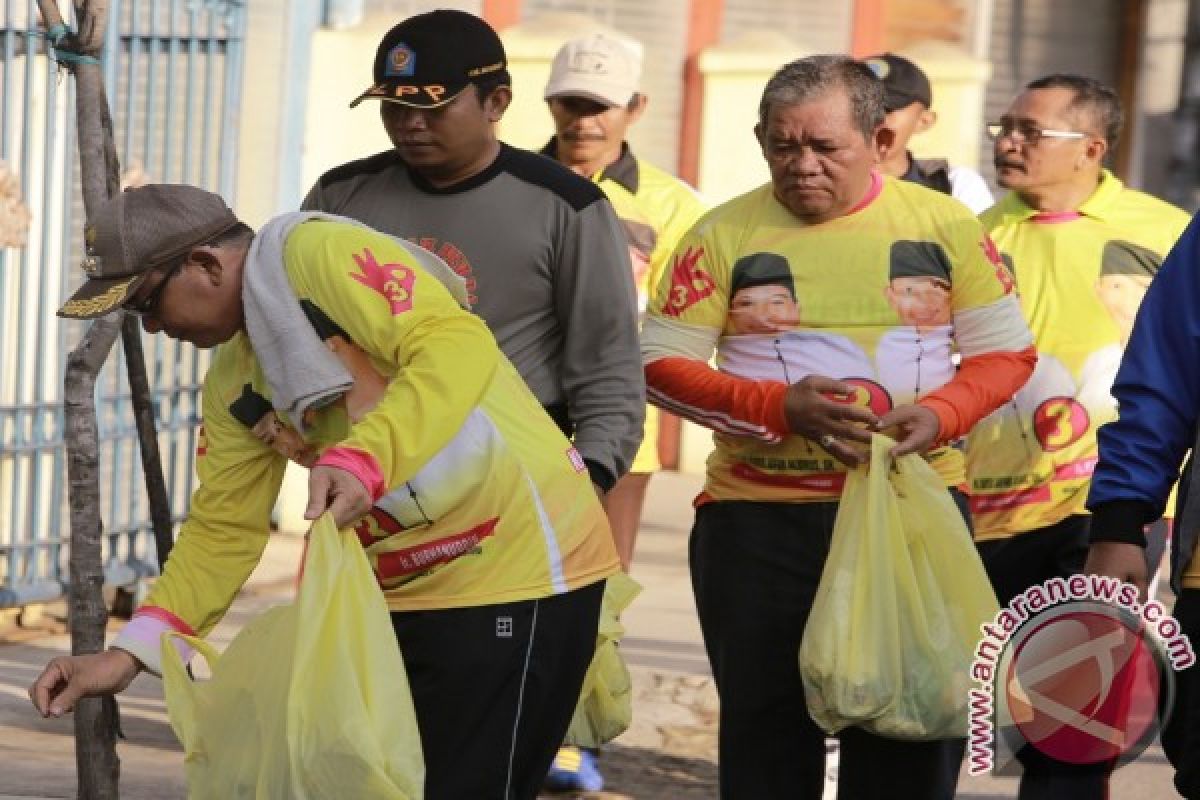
1158,391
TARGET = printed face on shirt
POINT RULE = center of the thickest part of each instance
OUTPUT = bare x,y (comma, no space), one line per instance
919,301
1121,295
769,308
451,142
641,239
820,161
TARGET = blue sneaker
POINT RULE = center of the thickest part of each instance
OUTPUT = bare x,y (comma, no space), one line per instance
574,770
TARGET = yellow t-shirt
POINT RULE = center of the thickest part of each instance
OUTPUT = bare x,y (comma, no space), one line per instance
1080,277
655,210
485,501
879,298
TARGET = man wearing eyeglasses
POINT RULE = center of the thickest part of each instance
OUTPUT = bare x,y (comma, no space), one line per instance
1082,248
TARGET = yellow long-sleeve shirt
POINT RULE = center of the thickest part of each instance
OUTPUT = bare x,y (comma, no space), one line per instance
480,498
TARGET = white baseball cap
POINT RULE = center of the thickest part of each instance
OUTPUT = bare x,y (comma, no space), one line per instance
598,67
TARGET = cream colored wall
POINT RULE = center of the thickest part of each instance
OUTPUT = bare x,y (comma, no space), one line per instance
734,76
261,118
342,62
1162,62
959,82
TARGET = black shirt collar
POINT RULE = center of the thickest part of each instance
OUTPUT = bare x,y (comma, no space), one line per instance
476,180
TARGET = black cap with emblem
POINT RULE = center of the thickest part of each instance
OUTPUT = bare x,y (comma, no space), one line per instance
904,83
428,60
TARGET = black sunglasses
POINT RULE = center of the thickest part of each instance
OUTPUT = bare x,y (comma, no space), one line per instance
148,304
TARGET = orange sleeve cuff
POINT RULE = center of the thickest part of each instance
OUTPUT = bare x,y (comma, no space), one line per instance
724,403
982,384
947,416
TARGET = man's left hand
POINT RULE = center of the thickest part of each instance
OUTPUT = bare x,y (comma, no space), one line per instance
338,491
915,428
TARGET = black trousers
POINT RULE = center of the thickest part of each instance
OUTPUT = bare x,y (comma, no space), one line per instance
1181,736
755,570
1019,562
494,689
1014,565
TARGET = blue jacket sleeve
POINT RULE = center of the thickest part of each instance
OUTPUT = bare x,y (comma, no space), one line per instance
1158,393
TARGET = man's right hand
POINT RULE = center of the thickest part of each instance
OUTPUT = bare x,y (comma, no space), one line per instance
68,678
338,491
819,408
1121,560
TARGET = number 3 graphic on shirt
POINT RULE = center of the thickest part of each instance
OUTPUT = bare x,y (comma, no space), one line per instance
679,297
869,394
1059,422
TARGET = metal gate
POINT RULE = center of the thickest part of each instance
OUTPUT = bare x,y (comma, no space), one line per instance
173,73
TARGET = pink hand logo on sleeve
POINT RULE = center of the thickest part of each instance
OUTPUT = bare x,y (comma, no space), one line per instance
690,283
1003,274
393,281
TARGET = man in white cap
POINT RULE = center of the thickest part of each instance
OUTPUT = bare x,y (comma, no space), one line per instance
593,94
594,97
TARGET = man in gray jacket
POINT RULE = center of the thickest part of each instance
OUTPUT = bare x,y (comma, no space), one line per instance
541,250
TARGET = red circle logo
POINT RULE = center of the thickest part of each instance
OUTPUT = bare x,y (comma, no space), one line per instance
869,394
1083,686
1059,422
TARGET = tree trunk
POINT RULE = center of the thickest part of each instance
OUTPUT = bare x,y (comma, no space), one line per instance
96,721
96,762
143,411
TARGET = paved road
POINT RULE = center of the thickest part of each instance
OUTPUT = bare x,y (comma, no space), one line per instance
668,753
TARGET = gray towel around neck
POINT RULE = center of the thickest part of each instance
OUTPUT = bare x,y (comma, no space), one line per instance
303,373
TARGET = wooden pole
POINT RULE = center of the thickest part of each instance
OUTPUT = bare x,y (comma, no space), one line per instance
1132,30
868,33
96,720
704,30
143,412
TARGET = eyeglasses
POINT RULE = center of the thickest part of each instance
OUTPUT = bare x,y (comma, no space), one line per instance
149,304
1028,133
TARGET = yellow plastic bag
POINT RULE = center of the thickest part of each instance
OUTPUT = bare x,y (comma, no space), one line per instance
310,700
605,708
896,618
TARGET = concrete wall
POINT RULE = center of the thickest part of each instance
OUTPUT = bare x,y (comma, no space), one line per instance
959,85
335,133
259,162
